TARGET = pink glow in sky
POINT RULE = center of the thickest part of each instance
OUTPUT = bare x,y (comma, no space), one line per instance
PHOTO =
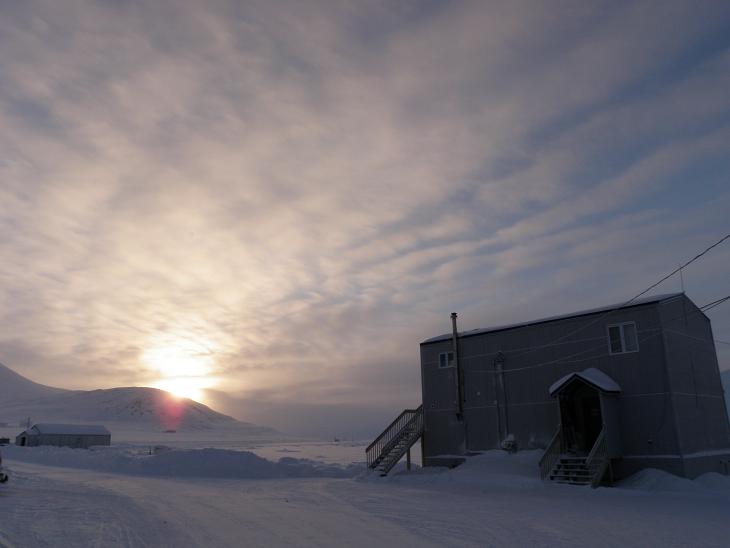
267,205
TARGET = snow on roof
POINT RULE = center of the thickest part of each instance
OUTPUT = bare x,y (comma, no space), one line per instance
592,376
637,302
70,429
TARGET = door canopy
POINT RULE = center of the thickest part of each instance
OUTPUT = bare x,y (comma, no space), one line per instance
592,376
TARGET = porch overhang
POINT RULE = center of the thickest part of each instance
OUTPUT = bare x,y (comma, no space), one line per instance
592,376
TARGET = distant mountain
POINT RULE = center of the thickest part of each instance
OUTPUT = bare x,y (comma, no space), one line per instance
15,387
139,405
134,406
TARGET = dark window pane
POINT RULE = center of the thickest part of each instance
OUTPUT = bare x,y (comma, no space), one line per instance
446,359
614,336
630,337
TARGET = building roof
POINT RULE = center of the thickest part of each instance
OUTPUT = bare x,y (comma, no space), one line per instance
637,302
68,429
594,377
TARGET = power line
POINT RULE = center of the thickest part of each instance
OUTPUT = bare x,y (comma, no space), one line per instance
563,359
713,304
632,299
680,267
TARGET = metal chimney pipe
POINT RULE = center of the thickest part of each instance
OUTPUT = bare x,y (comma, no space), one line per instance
457,367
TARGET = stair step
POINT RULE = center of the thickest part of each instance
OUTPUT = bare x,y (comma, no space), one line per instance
572,473
400,439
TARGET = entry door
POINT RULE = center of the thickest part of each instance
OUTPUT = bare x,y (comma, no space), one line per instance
592,420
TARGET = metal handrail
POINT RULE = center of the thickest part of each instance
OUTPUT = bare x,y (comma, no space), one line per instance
389,427
387,439
552,453
598,458
394,450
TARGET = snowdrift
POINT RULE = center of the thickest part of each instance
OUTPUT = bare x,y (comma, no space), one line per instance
658,481
500,471
491,470
167,462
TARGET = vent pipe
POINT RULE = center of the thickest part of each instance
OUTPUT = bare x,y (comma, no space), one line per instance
457,366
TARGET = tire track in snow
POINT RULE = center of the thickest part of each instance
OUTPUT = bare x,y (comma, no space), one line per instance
39,510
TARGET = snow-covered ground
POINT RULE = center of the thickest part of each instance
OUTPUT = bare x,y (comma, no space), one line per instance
272,445
122,496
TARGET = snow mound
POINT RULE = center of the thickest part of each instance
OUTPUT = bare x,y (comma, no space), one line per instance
495,469
167,462
498,470
715,481
651,479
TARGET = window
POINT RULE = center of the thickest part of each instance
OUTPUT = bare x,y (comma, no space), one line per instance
446,359
622,338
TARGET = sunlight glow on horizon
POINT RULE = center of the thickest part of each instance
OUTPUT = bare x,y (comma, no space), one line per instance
183,366
182,387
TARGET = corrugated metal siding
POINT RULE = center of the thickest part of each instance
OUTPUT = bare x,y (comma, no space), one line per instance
694,376
646,415
444,434
668,406
74,441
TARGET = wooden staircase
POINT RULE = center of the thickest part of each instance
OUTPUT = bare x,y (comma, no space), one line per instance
395,441
561,467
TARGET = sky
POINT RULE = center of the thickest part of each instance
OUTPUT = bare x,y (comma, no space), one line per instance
268,205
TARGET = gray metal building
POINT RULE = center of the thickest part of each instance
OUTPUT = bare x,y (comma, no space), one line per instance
64,435
608,390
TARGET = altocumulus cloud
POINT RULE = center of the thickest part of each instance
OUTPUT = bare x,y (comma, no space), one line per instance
303,191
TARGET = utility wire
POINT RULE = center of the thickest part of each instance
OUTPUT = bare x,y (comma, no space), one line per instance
680,267
713,304
632,299
564,359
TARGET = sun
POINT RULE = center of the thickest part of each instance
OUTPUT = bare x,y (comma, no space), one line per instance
181,387
184,367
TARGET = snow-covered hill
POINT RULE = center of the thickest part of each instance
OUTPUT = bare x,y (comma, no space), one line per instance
148,408
16,388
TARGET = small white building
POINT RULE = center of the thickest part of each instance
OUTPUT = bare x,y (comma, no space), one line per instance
64,435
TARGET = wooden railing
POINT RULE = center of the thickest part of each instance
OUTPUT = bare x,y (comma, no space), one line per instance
597,460
552,453
406,422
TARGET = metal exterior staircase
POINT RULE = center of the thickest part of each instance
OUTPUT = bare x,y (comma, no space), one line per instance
561,467
571,470
395,441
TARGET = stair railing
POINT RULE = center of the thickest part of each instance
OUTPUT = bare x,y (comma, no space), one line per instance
401,444
407,419
597,460
552,453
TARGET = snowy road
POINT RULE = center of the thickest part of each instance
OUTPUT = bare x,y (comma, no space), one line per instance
48,506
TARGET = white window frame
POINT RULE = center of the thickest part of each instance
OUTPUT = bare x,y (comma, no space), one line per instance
623,340
449,363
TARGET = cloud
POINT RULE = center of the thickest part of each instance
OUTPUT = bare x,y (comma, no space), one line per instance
307,190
